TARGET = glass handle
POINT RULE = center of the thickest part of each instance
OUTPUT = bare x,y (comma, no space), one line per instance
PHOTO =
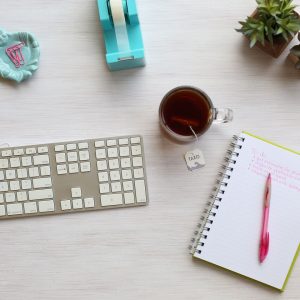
224,115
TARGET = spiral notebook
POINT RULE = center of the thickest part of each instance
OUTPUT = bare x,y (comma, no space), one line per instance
228,234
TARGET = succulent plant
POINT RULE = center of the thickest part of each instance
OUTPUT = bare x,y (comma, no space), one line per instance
274,18
296,51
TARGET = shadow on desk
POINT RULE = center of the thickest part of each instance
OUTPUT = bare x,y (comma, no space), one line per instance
263,63
237,277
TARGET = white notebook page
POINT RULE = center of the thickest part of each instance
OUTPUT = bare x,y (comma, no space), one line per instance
234,237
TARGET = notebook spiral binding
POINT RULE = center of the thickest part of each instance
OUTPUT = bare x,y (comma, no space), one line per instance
212,206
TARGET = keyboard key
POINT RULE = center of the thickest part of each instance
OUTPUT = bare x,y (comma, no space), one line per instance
26,161
77,203
125,162
137,161
30,151
59,148
136,150
113,164
102,165
46,206
89,202
30,208
1,198
72,156
10,174
104,188
62,169
84,155
140,191
127,186
100,153
103,176
111,200
40,194
112,152
85,167
45,171
42,183
110,143
14,185
3,186
14,209
73,168
138,173
2,210
1,175
10,197
135,140
76,192
22,196
116,187
26,185
43,149
115,175
65,205
124,151
71,147
126,174
41,160
83,146
6,153
18,152
129,198
34,172
15,162
22,173
99,144
123,141
60,158
3,163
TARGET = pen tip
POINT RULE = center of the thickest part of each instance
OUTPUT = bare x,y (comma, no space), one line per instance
262,259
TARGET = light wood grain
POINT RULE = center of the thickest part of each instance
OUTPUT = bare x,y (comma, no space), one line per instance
138,253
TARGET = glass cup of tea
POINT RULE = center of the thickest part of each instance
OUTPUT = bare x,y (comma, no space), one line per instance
186,113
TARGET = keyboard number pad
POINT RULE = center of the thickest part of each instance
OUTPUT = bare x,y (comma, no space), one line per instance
72,158
121,171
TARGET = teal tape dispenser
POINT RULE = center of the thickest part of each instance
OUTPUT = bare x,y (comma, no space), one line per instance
122,34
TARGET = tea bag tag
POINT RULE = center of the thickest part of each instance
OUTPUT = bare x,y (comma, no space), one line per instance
194,159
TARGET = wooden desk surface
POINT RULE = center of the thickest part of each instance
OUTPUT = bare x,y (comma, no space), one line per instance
137,253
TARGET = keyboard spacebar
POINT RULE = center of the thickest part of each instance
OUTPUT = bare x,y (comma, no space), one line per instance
41,194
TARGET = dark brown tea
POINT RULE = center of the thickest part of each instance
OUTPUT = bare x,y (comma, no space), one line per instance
186,110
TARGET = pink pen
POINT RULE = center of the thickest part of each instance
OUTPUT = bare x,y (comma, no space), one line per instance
265,237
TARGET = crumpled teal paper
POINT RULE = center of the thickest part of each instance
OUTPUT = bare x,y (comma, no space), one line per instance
30,52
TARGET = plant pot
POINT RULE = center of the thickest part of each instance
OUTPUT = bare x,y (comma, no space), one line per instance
279,43
295,59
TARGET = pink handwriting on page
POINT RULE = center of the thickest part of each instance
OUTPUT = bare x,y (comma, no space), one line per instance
261,165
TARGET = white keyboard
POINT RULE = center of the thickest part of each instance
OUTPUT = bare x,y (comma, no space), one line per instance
72,177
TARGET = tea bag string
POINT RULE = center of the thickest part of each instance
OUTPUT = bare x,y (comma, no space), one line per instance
194,133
